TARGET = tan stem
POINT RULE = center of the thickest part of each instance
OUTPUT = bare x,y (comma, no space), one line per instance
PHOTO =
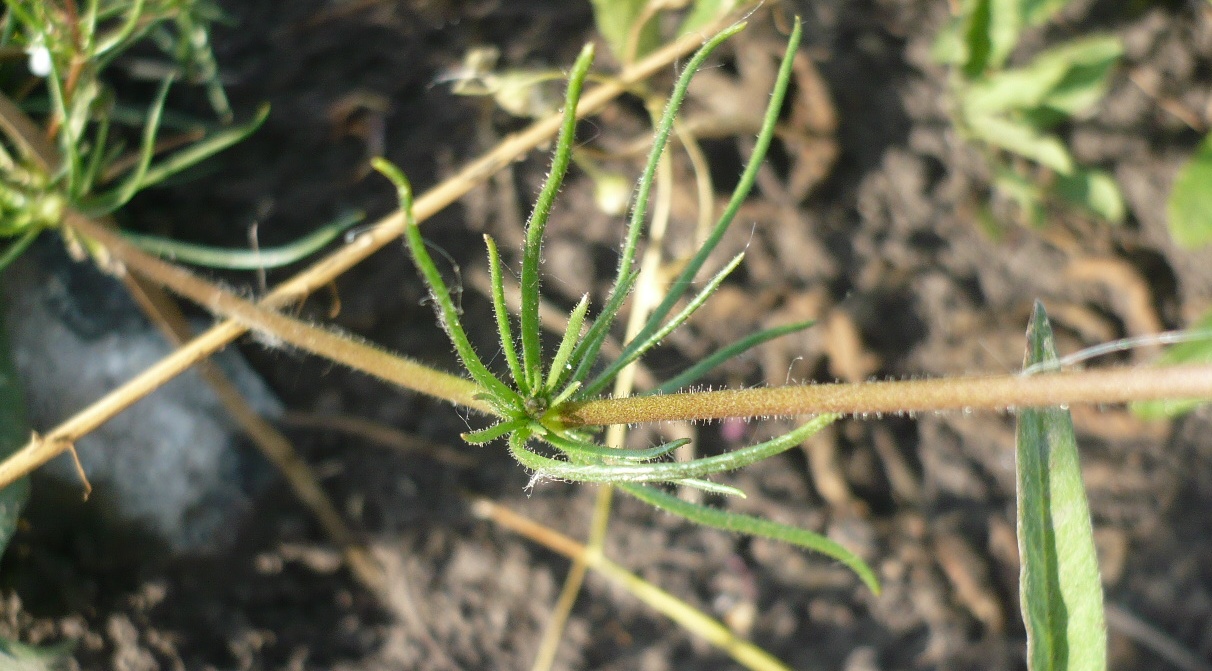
335,346
331,344
303,481
1004,392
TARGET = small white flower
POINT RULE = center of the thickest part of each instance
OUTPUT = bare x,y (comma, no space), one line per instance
39,59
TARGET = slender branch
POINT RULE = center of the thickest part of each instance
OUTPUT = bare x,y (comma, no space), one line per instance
1004,392
331,344
163,311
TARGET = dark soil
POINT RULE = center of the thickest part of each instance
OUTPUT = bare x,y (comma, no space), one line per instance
866,220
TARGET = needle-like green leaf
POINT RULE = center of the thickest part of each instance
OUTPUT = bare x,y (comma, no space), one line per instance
112,200
559,364
665,472
697,371
448,316
18,247
246,259
531,253
586,449
587,351
754,526
493,432
502,313
656,337
683,282
710,487
203,149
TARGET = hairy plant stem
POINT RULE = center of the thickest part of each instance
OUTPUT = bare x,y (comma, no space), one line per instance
961,393
320,274
1002,392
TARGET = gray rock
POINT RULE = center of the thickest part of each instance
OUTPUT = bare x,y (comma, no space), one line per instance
169,462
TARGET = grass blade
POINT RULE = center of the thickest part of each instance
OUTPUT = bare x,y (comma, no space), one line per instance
754,526
1061,594
531,350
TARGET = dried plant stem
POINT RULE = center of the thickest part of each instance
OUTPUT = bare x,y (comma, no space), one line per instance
1002,392
276,447
330,344
41,449
690,618
340,348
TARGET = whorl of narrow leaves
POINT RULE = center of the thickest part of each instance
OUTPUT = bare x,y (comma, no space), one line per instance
531,400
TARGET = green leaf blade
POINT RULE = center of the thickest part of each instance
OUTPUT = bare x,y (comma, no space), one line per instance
530,324
502,314
203,149
1094,191
1022,139
444,308
616,21
682,283
246,259
1088,64
1189,208
1060,589
697,371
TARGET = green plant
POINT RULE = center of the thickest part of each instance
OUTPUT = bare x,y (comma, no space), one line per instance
1189,208
84,166
531,407
1060,591
1012,111
539,408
